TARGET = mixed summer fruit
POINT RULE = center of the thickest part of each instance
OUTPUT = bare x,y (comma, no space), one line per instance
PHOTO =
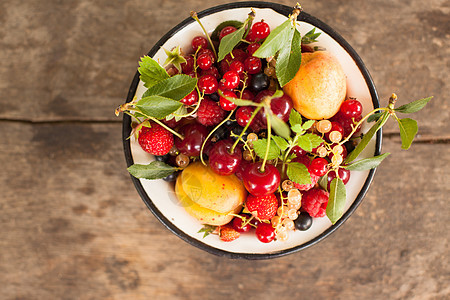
260,134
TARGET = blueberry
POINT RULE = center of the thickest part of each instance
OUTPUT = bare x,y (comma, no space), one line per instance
219,134
237,130
171,177
214,97
259,82
162,158
304,221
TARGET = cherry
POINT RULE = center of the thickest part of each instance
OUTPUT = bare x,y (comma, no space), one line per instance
251,37
280,106
191,98
252,48
230,79
351,108
199,41
237,66
344,175
252,65
194,136
260,30
208,84
224,66
226,31
238,54
243,115
260,183
188,66
241,168
221,160
246,94
226,104
237,224
204,61
318,166
265,232
298,151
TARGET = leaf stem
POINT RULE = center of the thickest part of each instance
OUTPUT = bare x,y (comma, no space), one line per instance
195,17
166,127
269,137
245,128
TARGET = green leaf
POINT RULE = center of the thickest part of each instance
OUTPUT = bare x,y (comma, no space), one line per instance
176,87
157,106
151,72
154,170
230,41
309,141
216,32
275,41
413,106
279,126
298,173
260,149
367,137
308,124
281,143
310,37
289,58
323,182
297,128
408,130
239,101
366,163
336,202
175,58
295,118
374,117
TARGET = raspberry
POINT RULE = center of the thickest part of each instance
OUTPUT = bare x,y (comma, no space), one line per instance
262,207
209,113
315,202
155,140
228,233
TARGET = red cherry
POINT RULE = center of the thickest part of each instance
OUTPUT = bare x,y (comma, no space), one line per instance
344,175
226,104
221,160
252,65
237,224
238,54
265,232
191,98
318,166
194,136
208,84
199,41
211,71
230,80
241,168
260,30
351,108
226,31
248,95
298,151
260,183
280,106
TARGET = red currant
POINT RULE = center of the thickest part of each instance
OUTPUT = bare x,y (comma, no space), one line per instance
226,31
211,71
230,80
204,61
237,66
238,54
318,166
252,65
188,66
298,151
207,51
247,95
199,41
351,108
260,30
226,104
260,183
243,115
221,160
252,48
208,84
191,98
265,232
251,37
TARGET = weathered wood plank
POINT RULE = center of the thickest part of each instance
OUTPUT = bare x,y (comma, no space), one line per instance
73,227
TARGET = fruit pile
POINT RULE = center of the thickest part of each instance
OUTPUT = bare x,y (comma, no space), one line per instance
254,135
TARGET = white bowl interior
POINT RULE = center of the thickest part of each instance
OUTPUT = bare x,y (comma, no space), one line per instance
162,194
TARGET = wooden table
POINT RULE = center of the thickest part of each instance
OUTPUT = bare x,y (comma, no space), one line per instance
72,225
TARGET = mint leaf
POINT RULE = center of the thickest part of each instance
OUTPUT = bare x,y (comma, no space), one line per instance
297,128
151,72
274,42
366,163
295,118
281,143
154,170
309,141
259,147
279,126
336,202
367,137
289,58
308,124
310,37
216,32
298,173
408,130
176,87
413,106
230,41
157,106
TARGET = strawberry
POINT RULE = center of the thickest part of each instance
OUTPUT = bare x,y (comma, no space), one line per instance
262,207
156,139
228,233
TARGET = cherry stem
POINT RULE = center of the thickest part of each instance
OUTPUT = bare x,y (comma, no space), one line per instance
269,136
245,128
167,127
195,17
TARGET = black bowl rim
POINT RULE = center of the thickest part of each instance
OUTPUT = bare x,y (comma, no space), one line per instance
285,10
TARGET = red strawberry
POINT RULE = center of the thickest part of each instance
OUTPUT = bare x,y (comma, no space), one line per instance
262,207
227,233
155,140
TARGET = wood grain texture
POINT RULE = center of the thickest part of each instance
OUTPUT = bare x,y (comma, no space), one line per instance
72,225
